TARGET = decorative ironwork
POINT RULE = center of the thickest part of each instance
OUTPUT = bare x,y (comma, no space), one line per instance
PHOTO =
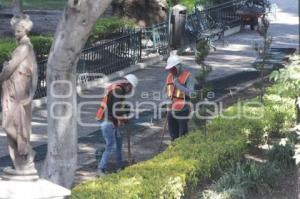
156,38
41,90
105,58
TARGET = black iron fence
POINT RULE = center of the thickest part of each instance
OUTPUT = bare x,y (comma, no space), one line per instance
41,90
109,57
112,55
156,38
225,13
103,59
212,20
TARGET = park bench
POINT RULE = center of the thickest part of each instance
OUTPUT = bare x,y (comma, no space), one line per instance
202,26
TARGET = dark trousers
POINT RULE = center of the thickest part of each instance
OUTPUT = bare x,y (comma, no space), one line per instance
177,126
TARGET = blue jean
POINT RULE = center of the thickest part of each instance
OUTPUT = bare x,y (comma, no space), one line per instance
113,140
178,126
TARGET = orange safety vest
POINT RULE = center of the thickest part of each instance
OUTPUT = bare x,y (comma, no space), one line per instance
103,106
177,96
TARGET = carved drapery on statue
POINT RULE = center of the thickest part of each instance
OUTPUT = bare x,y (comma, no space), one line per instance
19,79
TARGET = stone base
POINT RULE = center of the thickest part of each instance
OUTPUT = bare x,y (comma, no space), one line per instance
27,175
40,189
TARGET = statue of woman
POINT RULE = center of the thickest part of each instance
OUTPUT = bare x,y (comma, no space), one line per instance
19,80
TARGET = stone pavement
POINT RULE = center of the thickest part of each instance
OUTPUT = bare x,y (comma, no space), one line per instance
237,56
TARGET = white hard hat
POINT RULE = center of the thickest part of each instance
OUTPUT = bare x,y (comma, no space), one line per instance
132,79
172,61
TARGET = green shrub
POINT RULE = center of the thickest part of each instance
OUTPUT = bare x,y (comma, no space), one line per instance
194,157
203,50
237,182
38,4
261,177
105,28
246,117
190,4
254,130
282,155
41,45
184,163
292,137
280,114
231,185
6,48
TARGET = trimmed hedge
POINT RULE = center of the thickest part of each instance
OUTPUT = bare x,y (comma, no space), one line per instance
105,28
190,159
6,48
41,45
185,162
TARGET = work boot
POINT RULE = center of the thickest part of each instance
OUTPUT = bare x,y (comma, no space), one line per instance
100,173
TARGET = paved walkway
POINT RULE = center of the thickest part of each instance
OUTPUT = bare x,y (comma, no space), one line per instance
235,57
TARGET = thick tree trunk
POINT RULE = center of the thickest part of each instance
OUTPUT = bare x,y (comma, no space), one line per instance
71,35
17,7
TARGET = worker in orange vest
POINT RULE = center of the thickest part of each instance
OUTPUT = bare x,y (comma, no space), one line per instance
178,89
112,117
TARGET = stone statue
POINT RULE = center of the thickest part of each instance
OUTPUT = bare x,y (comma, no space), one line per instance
19,80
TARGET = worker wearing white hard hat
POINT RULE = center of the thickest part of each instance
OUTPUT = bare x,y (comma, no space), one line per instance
112,114
178,89
172,61
132,79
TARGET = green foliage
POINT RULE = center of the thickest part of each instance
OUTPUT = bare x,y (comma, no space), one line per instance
254,130
292,138
288,79
6,48
105,27
231,185
41,45
194,157
38,4
246,117
280,113
202,50
237,182
287,84
261,177
282,155
185,162
190,4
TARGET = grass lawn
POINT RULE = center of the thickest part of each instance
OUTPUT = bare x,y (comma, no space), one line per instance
38,4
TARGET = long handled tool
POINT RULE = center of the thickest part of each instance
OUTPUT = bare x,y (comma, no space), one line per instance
166,122
130,160
163,132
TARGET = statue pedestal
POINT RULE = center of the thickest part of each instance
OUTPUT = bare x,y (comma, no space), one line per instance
14,175
40,189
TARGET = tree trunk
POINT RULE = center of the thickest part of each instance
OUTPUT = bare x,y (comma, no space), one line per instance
17,8
71,35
